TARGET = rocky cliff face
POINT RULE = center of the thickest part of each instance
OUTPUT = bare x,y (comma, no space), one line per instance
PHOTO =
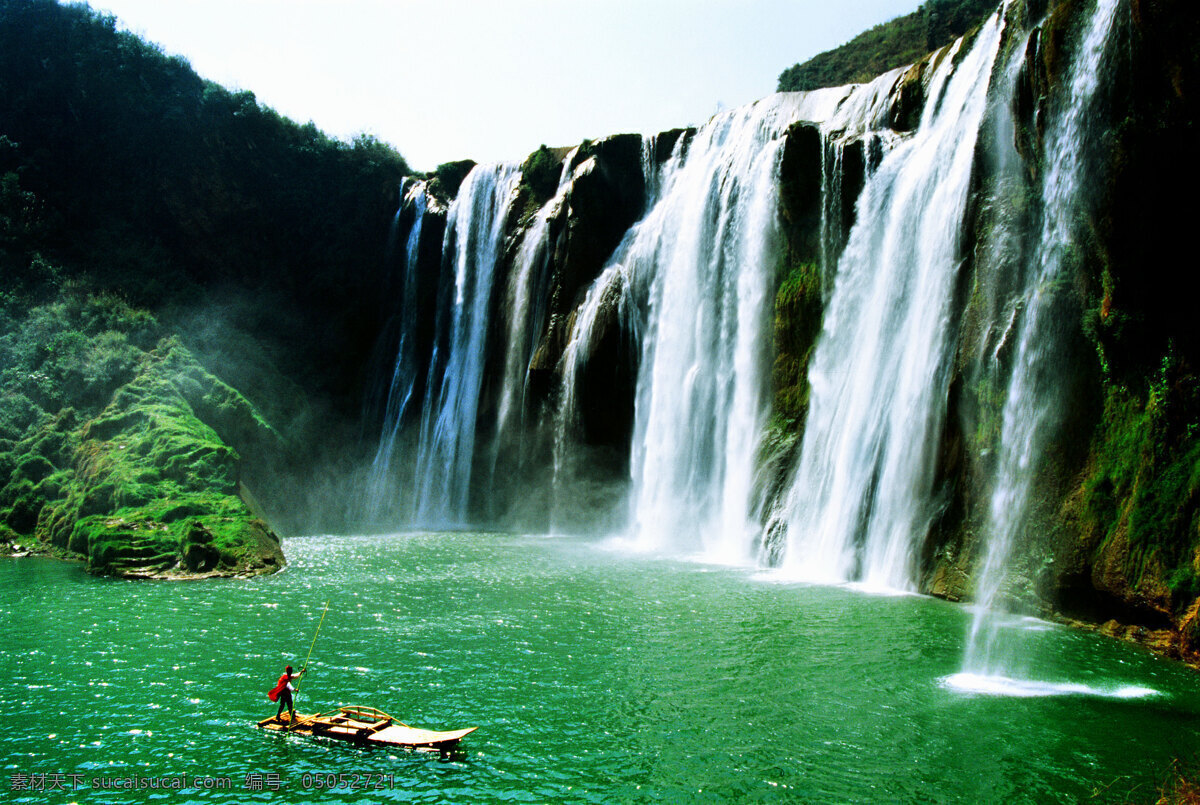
605,197
1111,531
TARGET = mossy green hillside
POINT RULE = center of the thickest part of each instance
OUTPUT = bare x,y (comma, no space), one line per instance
60,363
892,44
156,486
121,451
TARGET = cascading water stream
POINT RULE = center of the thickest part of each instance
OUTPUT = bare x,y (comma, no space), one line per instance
526,310
693,282
406,368
1033,401
860,119
861,493
704,258
833,223
474,232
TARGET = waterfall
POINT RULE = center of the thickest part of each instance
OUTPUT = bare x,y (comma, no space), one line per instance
861,493
474,234
526,307
701,265
405,370
690,288
1032,406
705,257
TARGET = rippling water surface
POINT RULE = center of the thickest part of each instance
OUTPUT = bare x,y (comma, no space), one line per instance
593,676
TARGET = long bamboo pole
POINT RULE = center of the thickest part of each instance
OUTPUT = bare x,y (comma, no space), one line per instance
314,644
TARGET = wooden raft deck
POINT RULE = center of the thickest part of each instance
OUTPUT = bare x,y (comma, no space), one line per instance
366,725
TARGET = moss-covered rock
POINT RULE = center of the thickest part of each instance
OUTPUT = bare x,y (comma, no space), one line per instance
798,313
36,470
444,183
908,97
148,484
540,174
1137,510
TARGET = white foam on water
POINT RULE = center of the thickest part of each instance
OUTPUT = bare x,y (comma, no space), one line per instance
992,685
787,575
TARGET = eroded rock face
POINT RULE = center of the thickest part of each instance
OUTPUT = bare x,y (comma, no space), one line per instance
801,180
608,381
909,95
606,197
605,200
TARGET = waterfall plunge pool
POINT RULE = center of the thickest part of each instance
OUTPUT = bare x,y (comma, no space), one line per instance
594,676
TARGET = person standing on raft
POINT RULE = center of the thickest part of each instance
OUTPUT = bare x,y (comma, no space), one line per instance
283,690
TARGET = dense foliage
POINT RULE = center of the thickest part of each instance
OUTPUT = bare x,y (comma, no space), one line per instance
901,41
171,190
156,227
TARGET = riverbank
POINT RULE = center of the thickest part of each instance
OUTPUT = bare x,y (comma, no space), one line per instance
261,554
1168,643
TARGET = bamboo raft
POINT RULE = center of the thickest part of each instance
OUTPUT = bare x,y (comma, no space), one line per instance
366,726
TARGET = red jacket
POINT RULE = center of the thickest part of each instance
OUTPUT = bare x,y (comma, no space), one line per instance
273,693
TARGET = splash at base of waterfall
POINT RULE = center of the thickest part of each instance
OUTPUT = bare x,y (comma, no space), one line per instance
985,685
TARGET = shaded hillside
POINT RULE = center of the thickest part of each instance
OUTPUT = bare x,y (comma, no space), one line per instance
175,192
893,44
190,290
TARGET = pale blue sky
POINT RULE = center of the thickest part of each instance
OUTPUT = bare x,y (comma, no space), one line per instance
490,80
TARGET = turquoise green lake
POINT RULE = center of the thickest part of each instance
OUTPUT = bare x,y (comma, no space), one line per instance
593,676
